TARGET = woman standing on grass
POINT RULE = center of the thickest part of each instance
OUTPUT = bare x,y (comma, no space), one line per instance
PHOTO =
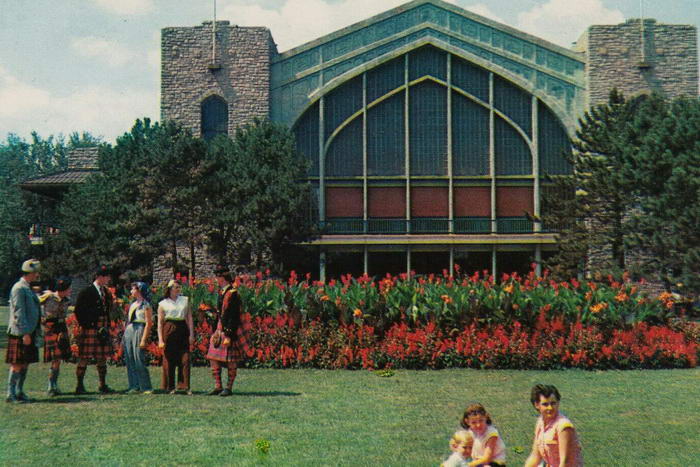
556,441
56,340
139,321
175,337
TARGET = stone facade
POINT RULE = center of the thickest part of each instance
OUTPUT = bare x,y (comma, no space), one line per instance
667,63
204,264
240,73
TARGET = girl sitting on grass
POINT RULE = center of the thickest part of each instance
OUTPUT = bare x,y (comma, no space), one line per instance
487,447
555,441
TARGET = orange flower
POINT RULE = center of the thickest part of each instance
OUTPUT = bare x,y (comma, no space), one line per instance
325,298
598,307
357,313
508,288
203,307
516,306
621,297
446,298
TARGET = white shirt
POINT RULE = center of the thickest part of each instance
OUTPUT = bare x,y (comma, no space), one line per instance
174,310
499,451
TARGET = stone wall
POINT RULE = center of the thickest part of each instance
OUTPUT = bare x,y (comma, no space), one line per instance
668,63
240,74
204,264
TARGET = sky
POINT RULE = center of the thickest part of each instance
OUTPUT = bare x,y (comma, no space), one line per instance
94,65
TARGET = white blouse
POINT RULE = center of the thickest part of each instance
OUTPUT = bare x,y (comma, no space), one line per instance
174,310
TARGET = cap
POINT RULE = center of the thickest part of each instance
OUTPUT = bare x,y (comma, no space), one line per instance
63,283
31,265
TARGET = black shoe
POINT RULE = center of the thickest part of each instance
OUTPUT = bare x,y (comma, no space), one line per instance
22,398
215,392
225,393
52,392
10,399
106,390
80,389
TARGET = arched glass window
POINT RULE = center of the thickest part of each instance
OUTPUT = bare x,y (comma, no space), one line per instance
553,143
214,117
306,132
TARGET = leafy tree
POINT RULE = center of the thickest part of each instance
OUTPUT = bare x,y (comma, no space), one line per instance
664,176
19,209
592,205
262,205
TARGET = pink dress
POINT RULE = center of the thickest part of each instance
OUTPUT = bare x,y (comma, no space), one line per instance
547,439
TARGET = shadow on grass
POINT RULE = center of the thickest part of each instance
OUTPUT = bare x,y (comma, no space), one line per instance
63,400
266,393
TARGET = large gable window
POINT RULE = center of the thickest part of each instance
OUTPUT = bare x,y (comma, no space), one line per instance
214,117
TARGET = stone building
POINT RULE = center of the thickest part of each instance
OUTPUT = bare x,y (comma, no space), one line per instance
429,129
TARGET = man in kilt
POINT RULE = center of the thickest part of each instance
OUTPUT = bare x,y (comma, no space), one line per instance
24,331
56,339
226,343
92,309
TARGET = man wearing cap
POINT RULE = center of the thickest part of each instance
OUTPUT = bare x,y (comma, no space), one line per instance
24,331
92,308
225,345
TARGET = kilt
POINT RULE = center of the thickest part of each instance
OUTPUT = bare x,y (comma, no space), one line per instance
56,342
89,344
19,353
232,353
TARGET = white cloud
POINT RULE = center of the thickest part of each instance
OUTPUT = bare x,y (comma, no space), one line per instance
126,7
101,110
484,10
291,28
112,53
563,21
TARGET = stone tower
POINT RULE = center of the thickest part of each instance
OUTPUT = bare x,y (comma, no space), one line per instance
640,57
236,69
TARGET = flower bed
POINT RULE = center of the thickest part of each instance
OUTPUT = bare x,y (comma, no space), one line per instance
446,321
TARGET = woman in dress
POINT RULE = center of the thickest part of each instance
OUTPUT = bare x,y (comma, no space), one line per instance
139,323
175,337
56,340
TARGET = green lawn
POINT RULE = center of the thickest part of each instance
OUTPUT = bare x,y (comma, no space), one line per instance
313,417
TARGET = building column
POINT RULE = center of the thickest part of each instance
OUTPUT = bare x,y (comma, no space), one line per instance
365,252
452,260
492,156
321,165
494,253
365,188
407,140
450,188
538,260
408,260
537,225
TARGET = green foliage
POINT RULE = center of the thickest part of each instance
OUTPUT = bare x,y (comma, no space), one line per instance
262,204
664,174
19,161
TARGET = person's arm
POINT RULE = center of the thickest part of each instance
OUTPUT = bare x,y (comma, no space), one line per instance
534,458
566,446
190,323
161,318
488,453
147,329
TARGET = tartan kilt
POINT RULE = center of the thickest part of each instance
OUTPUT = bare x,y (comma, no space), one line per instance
90,346
19,353
232,353
56,348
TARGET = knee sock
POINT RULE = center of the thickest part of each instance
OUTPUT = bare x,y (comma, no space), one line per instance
102,374
53,378
12,380
20,382
80,374
216,372
231,376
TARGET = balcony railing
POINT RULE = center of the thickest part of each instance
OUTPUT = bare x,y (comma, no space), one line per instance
429,225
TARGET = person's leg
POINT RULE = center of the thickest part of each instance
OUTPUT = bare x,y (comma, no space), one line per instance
185,365
216,373
129,358
143,378
80,376
102,375
20,382
15,374
53,377
232,370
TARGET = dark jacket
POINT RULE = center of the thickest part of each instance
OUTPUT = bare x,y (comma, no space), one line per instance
89,307
230,311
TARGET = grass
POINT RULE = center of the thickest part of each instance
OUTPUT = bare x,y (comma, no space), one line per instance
315,417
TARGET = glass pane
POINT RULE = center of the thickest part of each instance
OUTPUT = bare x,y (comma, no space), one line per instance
553,143
385,78
428,135
470,137
470,78
344,157
514,102
306,132
427,61
512,152
385,137
214,117
341,103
